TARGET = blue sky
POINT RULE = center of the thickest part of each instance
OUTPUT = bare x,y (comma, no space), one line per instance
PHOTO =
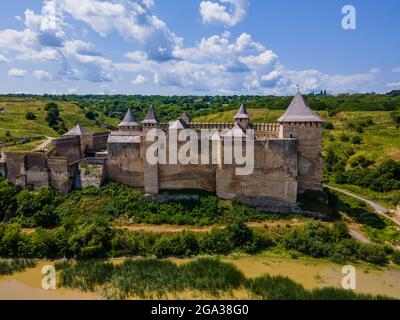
197,47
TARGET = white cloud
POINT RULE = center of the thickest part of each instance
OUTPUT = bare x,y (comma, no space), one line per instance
224,12
393,85
396,69
82,60
215,64
136,56
17,73
263,59
3,59
133,21
42,75
139,80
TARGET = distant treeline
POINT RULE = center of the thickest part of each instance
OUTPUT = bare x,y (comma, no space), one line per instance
171,107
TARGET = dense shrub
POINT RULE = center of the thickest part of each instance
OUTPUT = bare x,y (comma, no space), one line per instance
317,240
8,267
396,257
30,116
328,125
356,140
8,201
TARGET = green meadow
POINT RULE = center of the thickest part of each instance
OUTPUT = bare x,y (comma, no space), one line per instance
13,123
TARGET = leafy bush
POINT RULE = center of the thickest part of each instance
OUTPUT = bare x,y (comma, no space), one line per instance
8,267
30,116
356,140
328,125
396,257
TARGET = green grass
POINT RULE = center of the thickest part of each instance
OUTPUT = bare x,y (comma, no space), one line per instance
8,267
377,228
14,121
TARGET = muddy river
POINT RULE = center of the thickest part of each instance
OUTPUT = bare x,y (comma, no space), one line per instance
309,272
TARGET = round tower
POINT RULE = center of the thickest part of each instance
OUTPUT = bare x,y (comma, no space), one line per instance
301,123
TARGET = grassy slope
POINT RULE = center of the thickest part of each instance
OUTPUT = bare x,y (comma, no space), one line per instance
14,118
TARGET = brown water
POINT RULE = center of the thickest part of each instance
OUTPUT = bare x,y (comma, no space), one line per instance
309,272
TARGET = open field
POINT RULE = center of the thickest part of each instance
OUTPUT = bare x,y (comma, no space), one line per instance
14,121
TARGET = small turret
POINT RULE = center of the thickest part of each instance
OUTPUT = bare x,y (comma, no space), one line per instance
150,121
242,118
129,123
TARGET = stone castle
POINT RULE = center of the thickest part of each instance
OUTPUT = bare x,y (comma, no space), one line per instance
287,158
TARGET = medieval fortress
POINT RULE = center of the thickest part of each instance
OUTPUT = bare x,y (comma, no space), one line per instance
287,158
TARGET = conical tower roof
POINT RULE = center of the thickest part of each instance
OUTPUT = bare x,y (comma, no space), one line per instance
299,111
185,117
129,119
178,125
150,117
242,113
78,130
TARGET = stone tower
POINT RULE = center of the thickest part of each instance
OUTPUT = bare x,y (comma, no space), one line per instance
301,123
129,123
242,118
150,170
150,121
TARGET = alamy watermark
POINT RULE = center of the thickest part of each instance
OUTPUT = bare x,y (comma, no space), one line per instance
188,147
349,280
49,278
349,21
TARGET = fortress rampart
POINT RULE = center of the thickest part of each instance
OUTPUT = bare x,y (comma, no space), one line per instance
287,158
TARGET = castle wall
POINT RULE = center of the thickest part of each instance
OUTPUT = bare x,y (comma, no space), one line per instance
68,147
310,163
274,175
61,174
175,177
126,164
14,162
37,173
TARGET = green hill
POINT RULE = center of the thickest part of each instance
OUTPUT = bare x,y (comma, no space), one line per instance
13,122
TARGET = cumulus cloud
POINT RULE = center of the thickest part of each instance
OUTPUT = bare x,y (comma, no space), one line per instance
218,63
42,75
224,12
17,73
47,25
132,20
139,80
82,60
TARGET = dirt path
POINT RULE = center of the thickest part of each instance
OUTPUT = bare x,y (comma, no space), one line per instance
44,144
357,235
377,207
167,228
